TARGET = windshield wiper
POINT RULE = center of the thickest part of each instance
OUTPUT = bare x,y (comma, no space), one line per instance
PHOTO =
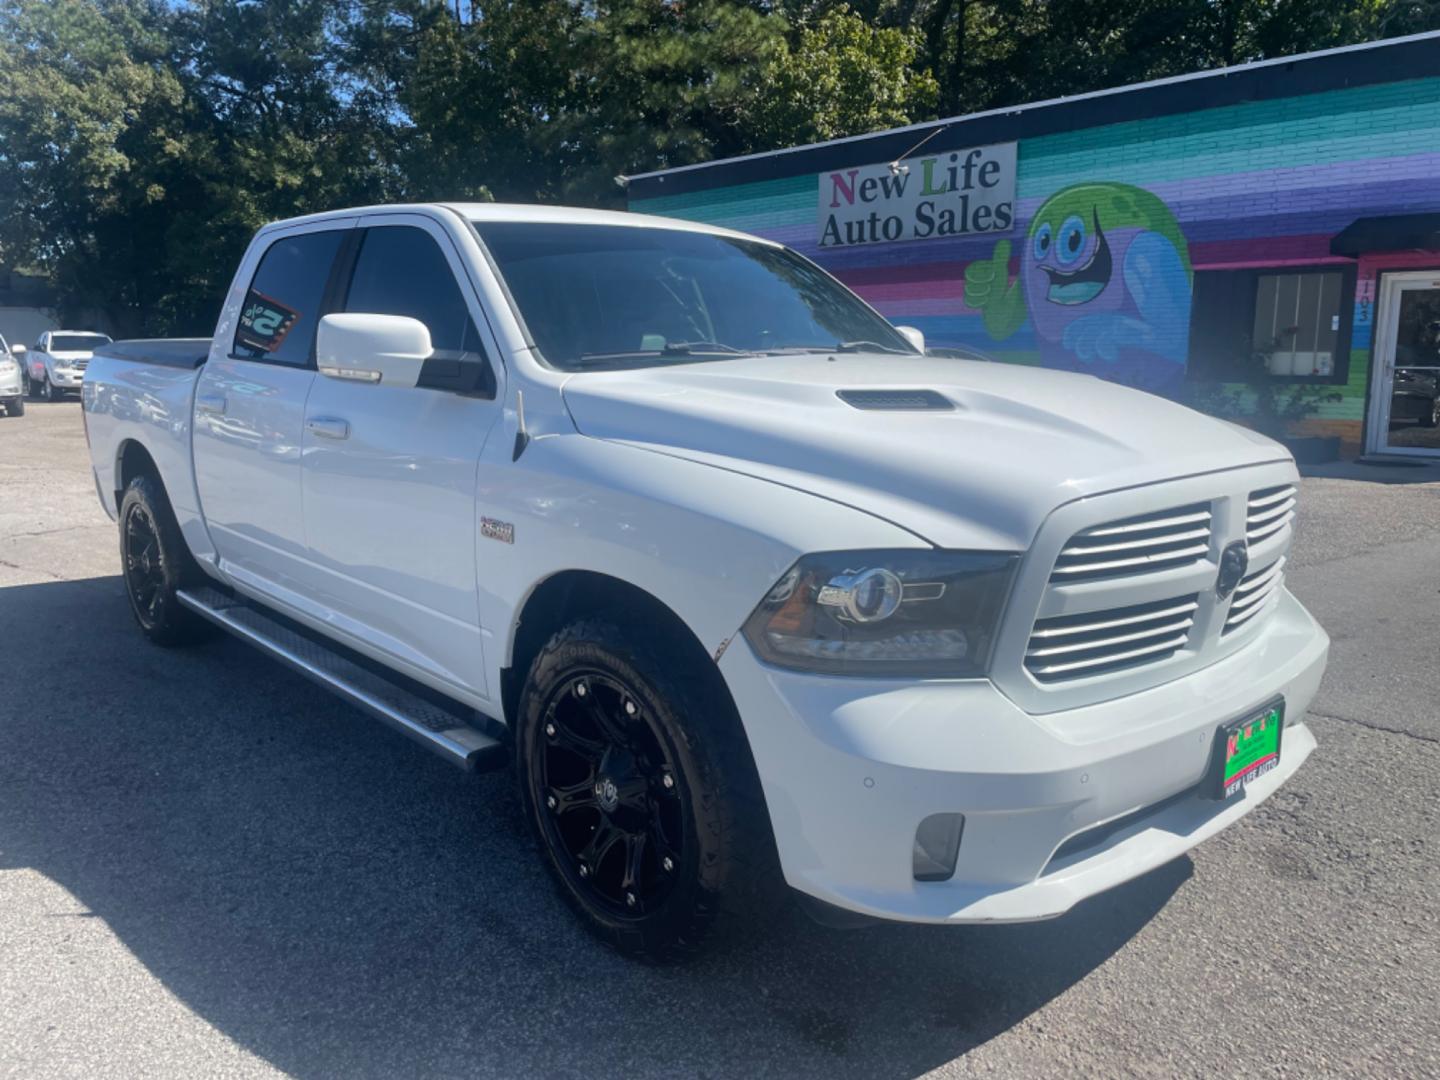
869,346
685,348
838,347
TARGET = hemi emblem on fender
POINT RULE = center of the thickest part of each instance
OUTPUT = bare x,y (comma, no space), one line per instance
497,530
1234,561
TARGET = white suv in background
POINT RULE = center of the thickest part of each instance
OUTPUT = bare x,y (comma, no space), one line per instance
12,400
57,362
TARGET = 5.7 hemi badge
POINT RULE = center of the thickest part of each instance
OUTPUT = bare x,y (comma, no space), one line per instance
497,530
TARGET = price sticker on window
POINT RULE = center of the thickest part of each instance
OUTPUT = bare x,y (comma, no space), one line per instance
264,322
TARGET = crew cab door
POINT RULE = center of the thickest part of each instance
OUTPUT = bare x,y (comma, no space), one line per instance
390,472
250,408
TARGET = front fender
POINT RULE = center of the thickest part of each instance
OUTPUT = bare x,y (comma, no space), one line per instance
704,541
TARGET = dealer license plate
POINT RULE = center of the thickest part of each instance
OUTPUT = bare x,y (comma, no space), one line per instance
1247,749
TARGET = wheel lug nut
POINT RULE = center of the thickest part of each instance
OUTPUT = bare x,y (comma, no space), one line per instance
550,730
550,802
668,863
580,690
668,781
629,708
584,870
630,898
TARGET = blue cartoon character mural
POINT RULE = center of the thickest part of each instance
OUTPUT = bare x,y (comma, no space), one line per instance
1105,279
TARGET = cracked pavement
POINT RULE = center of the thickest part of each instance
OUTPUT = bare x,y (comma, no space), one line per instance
210,867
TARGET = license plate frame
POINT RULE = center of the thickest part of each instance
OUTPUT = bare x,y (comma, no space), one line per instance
1243,752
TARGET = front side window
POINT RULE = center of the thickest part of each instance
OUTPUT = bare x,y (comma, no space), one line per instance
283,304
401,270
605,296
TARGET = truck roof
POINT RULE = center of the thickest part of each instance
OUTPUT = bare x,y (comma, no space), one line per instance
482,212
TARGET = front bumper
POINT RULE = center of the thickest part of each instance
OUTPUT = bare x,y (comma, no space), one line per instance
66,379
851,767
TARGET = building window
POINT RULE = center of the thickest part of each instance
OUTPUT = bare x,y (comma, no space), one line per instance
1290,325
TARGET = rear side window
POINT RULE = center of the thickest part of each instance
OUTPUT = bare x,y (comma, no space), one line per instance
283,304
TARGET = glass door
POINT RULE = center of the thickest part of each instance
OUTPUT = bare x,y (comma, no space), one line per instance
1407,354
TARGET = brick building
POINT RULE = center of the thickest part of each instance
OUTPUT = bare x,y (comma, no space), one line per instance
1266,226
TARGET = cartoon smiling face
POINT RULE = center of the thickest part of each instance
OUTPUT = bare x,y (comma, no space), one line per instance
1075,255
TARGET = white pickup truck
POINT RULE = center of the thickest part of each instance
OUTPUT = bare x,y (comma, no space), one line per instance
747,587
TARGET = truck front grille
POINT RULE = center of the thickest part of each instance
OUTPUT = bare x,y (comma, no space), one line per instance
1078,646
1126,597
1253,595
1268,511
1138,545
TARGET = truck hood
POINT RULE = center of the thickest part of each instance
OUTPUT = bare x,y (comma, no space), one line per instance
1008,445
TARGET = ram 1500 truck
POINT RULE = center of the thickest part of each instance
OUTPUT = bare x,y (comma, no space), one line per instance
748,588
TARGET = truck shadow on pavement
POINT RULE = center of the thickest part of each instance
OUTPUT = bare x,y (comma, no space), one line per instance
337,902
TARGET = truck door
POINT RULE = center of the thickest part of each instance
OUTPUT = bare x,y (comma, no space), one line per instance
250,408
390,472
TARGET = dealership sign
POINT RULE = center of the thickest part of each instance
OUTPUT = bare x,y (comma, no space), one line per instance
925,198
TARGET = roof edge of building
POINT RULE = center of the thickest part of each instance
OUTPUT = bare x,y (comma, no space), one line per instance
1410,57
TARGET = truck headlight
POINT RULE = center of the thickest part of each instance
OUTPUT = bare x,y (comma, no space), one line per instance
903,611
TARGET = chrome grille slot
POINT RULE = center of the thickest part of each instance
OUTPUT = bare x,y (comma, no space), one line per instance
1096,642
1253,595
1268,511
1138,545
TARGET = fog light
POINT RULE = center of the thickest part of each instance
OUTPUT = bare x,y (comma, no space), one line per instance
937,844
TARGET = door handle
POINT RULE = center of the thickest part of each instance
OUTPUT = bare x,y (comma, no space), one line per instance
328,427
210,403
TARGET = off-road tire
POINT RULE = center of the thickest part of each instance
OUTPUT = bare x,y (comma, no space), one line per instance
727,872
15,407
155,564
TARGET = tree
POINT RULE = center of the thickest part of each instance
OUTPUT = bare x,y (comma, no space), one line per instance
85,126
842,77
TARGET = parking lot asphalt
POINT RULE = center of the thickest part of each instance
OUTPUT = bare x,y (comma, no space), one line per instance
208,866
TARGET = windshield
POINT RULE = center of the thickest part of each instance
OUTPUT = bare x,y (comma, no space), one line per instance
616,296
76,342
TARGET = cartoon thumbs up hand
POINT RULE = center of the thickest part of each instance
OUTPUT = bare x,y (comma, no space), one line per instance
988,289
982,275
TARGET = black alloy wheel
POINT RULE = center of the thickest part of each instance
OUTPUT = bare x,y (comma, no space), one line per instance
144,570
614,812
636,777
155,564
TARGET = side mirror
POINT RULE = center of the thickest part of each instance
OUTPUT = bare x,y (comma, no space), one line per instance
388,349
17,350
913,336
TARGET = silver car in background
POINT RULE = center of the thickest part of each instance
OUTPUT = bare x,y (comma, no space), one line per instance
56,365
12,399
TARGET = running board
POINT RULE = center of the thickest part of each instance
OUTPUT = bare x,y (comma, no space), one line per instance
443,730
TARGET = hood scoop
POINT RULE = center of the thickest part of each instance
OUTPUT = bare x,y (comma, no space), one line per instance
896,400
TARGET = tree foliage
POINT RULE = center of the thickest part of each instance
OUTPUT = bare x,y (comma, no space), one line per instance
143,141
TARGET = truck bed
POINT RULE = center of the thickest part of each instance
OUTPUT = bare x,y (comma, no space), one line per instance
165,352
142,393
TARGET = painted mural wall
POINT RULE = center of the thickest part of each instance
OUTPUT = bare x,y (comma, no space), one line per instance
1113,222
